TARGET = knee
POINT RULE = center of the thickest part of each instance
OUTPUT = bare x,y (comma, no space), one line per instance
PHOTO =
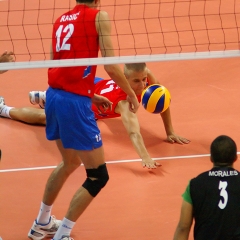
70,167
42,119
96,179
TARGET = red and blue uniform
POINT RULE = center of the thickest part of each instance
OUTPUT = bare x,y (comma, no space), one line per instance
110,90
69,116
75,36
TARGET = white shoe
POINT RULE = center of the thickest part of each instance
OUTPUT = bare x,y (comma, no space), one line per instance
2,101
2,105
65,238
40,231
38,97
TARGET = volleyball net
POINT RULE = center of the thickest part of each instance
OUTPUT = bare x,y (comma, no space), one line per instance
142,30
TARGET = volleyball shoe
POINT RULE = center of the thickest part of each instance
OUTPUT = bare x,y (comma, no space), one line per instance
40,231
2,101
65,238
2,104
38,97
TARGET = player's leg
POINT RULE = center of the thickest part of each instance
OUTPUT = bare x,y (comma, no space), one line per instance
45,224
70,162
38,97
97,177
0,160
4,109
28,115
84,136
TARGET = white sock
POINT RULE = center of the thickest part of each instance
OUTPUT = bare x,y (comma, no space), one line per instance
64,229
4,111
44,214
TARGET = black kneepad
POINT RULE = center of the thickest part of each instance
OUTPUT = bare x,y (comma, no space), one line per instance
101,175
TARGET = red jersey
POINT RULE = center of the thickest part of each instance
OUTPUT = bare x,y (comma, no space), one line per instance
75,36
110,90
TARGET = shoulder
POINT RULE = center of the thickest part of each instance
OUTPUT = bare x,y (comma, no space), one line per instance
102,15
122,108
199,178
102,22
122,103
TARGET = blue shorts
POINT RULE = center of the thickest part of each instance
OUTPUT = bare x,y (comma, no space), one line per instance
97,79
69,117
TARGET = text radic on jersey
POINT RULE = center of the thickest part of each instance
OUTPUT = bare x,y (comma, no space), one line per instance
65,18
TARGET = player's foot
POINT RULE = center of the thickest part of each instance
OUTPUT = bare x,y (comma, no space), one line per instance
2,101
38,97
39,231
2,104
65,238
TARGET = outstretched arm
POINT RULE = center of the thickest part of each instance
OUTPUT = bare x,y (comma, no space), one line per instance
130,122
166,117
171,136
151,78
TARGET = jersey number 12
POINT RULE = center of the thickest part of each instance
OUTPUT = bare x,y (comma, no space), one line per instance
69,29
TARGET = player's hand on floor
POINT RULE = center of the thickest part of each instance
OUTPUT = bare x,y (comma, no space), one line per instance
102,103
150,164
172,138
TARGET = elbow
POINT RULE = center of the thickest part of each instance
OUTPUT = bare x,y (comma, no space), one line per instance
110,69
134,135
183,229
182,232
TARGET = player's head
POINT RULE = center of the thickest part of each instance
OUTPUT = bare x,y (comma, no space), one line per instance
136,74
223,151
88,1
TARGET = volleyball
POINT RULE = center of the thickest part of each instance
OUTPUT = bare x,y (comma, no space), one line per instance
156,98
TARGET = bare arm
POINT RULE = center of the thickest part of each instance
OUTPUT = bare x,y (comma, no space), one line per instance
185,222
166,118
171,136
130,122
51,52
103,26
151,78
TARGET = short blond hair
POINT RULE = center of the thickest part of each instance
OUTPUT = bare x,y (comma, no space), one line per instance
135,67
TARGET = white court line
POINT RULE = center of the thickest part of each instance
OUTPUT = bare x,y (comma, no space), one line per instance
111,162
